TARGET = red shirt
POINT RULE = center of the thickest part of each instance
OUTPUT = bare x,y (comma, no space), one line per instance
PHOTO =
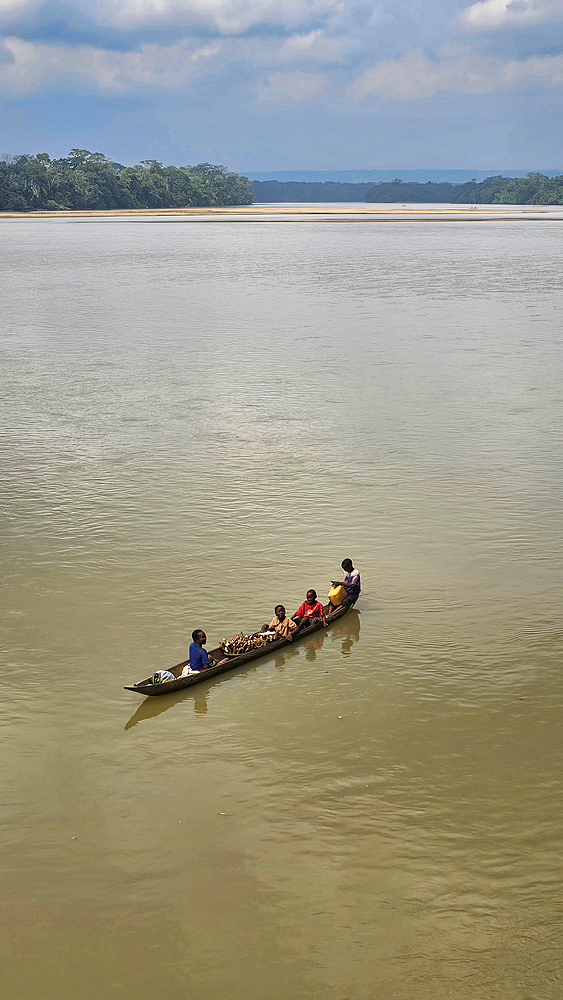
315,610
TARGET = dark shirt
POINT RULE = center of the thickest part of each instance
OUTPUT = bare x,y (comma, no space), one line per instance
198,657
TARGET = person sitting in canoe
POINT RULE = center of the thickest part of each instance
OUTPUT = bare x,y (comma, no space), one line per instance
310,611
281,624
199,657
351,582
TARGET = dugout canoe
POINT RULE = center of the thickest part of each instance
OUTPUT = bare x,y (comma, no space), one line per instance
168,687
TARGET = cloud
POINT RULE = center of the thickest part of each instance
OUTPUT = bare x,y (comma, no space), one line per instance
224,16
414,76
139,17
296,86
279,50
9,6
490,15
29,65
56,22
314,46
152,66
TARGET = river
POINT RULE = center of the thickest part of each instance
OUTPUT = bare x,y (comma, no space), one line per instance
201,421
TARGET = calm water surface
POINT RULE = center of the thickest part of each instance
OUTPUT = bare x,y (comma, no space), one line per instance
197,423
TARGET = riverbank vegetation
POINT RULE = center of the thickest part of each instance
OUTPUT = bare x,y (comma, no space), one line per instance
85,180
292,191
534,189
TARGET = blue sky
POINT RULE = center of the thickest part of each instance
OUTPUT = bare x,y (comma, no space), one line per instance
287,84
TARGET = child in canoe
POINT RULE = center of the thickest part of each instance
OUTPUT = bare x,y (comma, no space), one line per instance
310,611
281,624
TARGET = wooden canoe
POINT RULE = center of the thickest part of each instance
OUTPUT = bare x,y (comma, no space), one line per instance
168,687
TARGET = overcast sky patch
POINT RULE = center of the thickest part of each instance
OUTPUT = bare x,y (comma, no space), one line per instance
324,60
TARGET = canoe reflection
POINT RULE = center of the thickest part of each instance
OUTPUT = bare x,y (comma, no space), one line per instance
200,704
347,632
198,695
313,644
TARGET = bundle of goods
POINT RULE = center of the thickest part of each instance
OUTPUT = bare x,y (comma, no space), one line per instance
161,676
245,643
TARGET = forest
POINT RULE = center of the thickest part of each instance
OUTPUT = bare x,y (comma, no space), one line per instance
85,180
534,189
284,191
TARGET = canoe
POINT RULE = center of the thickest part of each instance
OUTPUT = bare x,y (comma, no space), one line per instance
168,687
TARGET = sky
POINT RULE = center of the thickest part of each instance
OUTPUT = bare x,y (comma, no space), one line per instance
287,84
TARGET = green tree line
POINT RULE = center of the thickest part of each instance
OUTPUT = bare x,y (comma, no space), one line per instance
85,180
285,191
534,189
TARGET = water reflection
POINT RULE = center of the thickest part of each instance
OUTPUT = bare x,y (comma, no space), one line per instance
313,644
200,704
284,655
151,707
348,630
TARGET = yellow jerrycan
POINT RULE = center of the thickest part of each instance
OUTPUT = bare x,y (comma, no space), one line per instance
336,595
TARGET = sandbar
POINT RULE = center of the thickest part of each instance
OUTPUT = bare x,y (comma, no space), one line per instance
347,212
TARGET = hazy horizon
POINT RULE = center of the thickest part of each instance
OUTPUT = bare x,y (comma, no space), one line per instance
373,176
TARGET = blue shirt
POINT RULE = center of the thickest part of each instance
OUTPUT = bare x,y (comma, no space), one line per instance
198,656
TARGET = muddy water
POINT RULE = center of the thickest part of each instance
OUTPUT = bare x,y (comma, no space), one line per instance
197,423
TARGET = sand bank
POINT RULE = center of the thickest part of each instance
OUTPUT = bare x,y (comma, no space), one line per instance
319,212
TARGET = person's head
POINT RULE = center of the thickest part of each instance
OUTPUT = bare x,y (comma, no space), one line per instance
347,565
280,612
199,636
311,596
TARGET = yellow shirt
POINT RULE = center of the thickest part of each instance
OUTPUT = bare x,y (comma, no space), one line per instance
282,628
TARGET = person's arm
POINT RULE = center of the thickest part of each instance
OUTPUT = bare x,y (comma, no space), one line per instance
345,583
317,612
216,663
299,614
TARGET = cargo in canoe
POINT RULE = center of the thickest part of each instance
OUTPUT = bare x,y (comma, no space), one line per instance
145,687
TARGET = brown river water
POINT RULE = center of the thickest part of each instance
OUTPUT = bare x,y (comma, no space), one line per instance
201,421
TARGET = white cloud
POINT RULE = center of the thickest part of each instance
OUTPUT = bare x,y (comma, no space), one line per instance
7,6
314,46
30,64
26,66
414,76
308,49
206,51
225,16
11,9
296,86
489,15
